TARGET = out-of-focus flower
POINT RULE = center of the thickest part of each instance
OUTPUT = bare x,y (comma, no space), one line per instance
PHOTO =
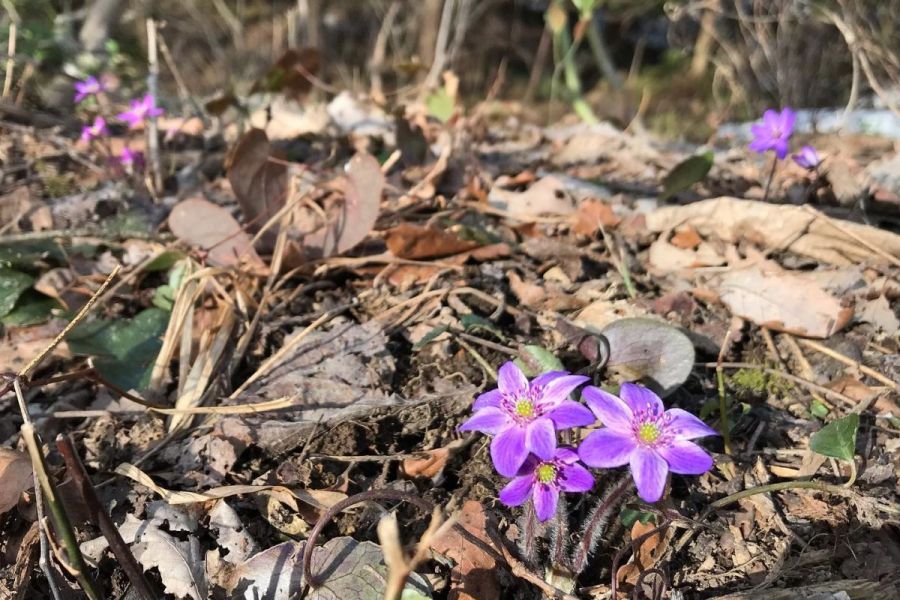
89,87
774,132
639,432
523,417
807,158
132,159
140,111
544,480
95,130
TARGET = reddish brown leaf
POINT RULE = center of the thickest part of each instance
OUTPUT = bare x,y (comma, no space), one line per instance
209,227
686,238
591,215
260,184
15,477
474,575
416,242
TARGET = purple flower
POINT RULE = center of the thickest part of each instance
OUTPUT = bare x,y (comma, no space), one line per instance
774,132
89,87
97,129
639,432
523,417
140,111
543,480
807,158
132,159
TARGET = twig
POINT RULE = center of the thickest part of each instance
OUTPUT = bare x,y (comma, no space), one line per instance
399,566
479,358
850,362
153,89
10,59
44,557
98,516
771,177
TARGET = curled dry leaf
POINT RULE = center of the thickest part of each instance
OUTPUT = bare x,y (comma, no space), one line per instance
783,302
15,477
547,195
592,215
474,575
648,554
432,462
416,242
260,184
211,228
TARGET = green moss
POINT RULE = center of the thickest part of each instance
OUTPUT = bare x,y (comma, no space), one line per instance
756,383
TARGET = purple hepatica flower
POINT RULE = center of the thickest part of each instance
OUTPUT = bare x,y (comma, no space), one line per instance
89,87
97,129
638,431
774,132
133,159
140,111
807,158
543,481
524,416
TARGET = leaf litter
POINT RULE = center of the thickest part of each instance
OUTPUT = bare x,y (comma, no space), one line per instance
318,328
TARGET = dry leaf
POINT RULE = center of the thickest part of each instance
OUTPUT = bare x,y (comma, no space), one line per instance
547,195
592,214
260,184
780,226
416,242
474,575
210,227
232,536
878,312
15,477
783,302
686,238
433,461
648,554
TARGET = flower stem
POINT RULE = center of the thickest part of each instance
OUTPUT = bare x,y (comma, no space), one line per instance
596,523
771,177
777,487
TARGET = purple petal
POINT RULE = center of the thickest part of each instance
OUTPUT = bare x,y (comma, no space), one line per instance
640,398
511,380
545,378
575,478
559,389
649,471
772,119
540,438
491,398
788,118
490,420
606,448
571,414
508,451
545,500
688,427
611,410
760,145
780,147
517,491
566,456
686,458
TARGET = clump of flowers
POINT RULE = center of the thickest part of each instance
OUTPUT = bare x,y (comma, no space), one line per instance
524,417
89,87
141,110
774,134
807,158
95,130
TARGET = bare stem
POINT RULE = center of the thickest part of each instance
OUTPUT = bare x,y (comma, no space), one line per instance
771,177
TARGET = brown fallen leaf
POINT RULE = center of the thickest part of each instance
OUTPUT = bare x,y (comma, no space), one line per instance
591,215
432,462
416,242
474,576
647,555
15,477
547,195
210,227
783,302
686,237
259,184
780,226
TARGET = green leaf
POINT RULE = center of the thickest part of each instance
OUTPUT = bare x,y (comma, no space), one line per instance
164,260
124,350
440,105
164,296
687,173
33,307
26,255
818,408
431,336
629,516
534,360
837,439
12,285
473,321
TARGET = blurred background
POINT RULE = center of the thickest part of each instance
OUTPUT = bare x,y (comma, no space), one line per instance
678,68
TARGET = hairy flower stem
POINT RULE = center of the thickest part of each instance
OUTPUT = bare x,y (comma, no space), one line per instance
771,177
529,533
596,524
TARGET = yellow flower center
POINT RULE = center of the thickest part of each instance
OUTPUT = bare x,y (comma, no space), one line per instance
524,408
546,473
648,433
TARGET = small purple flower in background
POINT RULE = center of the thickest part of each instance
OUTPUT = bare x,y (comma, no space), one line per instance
639,432
523,417
140,111
774,132
807,158
544,480
97,129
89,87
131,159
